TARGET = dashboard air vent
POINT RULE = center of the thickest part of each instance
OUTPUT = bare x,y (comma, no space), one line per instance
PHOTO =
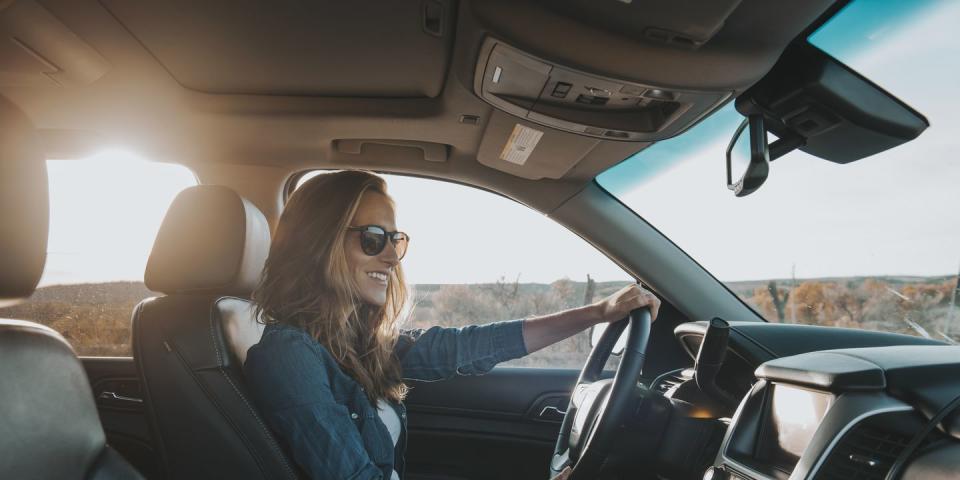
864,453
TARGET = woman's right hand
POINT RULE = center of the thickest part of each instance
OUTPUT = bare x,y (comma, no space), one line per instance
563,475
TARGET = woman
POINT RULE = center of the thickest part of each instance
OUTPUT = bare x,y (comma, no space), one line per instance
328,372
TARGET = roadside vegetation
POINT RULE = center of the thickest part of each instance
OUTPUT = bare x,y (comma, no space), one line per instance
95,318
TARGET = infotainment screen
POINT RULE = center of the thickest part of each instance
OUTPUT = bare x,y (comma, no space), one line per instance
794,415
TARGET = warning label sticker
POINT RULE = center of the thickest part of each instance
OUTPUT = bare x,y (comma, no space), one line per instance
520,144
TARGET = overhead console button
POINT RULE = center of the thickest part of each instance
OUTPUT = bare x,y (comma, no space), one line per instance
512,81
592,100
561,90
575,101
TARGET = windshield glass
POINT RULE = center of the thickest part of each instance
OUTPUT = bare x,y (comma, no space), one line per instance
873,244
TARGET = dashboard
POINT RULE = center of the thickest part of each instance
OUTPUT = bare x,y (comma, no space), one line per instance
808,402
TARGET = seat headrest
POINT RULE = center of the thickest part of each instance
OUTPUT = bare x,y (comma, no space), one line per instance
49,421
211,241
24,202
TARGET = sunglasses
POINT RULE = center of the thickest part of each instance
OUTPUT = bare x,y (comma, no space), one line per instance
373,239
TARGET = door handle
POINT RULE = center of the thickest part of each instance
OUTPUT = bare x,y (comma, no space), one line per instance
551,413
113,397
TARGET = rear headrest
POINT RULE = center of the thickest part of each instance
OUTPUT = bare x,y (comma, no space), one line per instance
49,421
211,241
24,210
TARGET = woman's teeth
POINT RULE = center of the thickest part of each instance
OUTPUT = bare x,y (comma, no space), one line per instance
378,276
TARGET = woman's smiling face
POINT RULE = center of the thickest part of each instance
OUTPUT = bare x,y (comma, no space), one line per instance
372,272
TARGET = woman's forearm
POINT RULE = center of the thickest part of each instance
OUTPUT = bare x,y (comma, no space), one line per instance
539,332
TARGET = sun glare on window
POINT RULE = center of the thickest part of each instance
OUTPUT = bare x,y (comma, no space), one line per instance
105,211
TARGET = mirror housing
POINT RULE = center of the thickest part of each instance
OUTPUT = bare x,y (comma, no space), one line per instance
758,167
811,101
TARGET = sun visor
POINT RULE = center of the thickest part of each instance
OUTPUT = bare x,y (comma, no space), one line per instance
38,49
291,47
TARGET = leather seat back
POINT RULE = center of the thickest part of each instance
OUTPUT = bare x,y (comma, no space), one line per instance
189,345
49,421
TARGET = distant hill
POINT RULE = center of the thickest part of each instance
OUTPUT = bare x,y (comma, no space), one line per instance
895,280
93,293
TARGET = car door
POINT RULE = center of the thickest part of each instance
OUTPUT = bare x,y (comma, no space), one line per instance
505,424
117,393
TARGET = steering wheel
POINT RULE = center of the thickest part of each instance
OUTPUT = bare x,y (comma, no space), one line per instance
598,408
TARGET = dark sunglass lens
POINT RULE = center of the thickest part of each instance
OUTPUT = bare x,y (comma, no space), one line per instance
372,242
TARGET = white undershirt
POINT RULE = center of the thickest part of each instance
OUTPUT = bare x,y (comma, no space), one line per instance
389,418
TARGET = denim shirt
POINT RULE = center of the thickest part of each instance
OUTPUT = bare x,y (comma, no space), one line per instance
322,417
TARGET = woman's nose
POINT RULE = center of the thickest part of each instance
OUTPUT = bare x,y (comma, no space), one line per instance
389,254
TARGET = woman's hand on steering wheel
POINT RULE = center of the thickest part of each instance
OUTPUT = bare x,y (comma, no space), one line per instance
619,304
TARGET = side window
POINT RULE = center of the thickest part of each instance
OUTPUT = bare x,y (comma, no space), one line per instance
476,257
104,214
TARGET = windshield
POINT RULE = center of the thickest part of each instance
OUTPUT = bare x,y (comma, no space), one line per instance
873,244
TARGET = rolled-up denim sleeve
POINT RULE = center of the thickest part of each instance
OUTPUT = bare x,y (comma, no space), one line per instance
291,386
438,353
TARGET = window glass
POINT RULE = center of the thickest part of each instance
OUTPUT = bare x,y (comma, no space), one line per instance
104,214
871,244
476,257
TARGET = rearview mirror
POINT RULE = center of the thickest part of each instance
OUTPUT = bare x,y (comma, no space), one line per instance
814,103
748,157
597,331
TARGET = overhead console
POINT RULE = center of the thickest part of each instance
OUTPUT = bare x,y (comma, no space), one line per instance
571,100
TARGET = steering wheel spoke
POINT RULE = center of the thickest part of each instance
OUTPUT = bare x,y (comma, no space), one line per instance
579,394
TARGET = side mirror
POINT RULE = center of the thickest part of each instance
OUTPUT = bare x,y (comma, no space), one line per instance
748,158
597,331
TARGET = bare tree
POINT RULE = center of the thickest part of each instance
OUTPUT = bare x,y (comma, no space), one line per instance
779,297
591,290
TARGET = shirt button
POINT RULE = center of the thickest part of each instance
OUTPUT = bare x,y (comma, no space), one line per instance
354,416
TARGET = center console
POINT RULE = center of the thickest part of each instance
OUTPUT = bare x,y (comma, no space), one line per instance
784,431
831,414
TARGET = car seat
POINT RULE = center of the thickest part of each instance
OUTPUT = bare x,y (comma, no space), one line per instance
189,345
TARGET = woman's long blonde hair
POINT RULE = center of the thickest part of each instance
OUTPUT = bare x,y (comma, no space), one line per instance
306,283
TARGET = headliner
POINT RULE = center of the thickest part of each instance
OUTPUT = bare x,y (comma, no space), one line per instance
213,84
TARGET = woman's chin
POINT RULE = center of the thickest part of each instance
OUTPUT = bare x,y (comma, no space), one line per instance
375,300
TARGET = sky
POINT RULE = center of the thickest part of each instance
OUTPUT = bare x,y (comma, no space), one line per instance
893,213
890,214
